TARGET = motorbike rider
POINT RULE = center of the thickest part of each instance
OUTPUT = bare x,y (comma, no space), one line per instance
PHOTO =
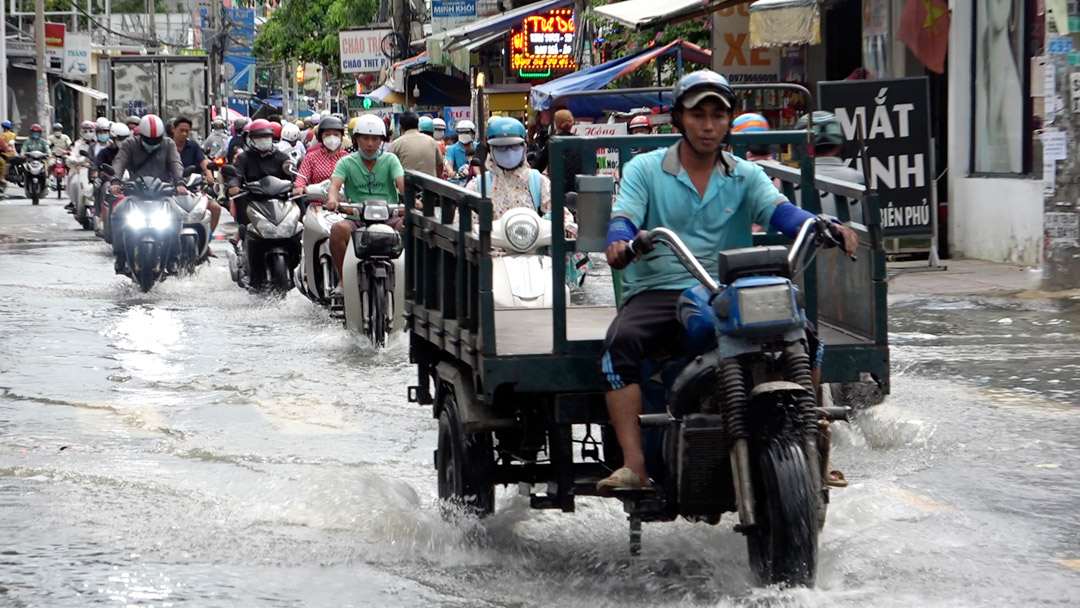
238,141
829,142
262,159
118,132
132,123
438,133
709,198
101,137
59,140
318,164
214,145
76,156
150,154
34,143
640,125
290,142
191,155
368,173
7,152
416,150
458,154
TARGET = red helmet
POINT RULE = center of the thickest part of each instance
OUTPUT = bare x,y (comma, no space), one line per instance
276,127
152,129
35,128
260,127
640,122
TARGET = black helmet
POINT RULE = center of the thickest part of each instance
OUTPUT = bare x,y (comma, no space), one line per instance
330,123
696,86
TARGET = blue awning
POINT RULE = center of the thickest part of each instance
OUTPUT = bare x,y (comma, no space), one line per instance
496,24
600,76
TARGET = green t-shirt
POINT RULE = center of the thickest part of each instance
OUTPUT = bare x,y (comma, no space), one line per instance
361,184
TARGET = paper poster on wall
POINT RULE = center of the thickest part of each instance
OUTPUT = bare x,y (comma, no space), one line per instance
1049,176
1074,91
1055,144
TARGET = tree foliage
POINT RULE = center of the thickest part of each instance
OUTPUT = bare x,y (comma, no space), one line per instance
307,30
621,41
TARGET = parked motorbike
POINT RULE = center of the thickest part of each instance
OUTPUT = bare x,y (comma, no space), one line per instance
35,179
269,247
151,229
741,426
317,276
59,170
195,218
373,270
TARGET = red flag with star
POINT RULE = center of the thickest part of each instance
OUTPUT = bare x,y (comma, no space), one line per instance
924,28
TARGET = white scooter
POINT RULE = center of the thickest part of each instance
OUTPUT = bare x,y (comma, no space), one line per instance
522,278
195,215
317,276
374,272
81,190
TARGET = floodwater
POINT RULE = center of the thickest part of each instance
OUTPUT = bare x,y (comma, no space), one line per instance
200,446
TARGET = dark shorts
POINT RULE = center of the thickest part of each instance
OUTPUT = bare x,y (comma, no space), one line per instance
648,324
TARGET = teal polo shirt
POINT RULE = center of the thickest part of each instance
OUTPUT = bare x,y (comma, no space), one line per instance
656,191
361,184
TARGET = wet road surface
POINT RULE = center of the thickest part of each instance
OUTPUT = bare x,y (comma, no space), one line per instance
200,446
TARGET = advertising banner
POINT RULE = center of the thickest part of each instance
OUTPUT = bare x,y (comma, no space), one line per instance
448,14
895,119
361,50
77,56
732,55
54,46
454,114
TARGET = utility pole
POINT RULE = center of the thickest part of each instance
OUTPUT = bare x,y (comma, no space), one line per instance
42,79
153,25
217,47
3,61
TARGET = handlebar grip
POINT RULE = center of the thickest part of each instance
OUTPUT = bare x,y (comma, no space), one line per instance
642,244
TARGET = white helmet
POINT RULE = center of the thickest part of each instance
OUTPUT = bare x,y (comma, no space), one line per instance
369,124
290,132
465,125
151,129
440,124
103,124
119,130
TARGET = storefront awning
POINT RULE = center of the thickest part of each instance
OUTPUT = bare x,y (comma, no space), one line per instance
96,94
496,24
785,22
600,76
644,13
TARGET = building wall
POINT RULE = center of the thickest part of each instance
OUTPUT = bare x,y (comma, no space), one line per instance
992,218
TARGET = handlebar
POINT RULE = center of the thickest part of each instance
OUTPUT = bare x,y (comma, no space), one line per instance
826,234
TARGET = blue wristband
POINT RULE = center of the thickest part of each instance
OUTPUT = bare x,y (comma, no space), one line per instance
620,229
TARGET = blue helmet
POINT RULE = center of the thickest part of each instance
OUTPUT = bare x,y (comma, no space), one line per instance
427,125
697,86
749,123
503,131
6,124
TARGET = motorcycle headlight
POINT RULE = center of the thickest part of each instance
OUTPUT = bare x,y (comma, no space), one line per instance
160,220
376,213
766,304
36,166
270,230
136,219
522,233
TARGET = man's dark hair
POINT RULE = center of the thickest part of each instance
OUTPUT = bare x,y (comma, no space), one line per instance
409,121
179,120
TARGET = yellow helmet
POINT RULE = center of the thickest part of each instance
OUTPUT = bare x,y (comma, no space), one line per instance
352,122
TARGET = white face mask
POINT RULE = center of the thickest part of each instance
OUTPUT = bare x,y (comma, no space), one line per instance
439,134
88,135
262,144
331,142
465,138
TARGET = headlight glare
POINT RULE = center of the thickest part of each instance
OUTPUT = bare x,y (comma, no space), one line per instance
160,220
136,219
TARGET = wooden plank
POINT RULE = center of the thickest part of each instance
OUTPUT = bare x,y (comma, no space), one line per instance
528,331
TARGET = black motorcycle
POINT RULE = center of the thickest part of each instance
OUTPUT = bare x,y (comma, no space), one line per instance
268,250
35,175
150,230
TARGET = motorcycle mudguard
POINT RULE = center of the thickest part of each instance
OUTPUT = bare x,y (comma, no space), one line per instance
522,281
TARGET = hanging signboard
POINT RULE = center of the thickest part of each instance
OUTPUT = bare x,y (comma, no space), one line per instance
77,56
544,44
732,55
54,46
895,117
361,50
448,14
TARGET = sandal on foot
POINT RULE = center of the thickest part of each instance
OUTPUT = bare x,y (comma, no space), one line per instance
836,480
620,479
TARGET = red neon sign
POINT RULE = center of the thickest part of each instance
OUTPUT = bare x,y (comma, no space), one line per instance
545,42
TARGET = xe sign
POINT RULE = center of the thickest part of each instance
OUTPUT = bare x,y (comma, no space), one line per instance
544,43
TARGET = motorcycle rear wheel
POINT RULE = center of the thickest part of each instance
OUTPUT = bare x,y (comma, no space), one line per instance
783,547
146,259
279,273
59,187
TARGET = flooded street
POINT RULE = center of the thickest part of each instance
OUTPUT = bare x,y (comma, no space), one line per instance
201,446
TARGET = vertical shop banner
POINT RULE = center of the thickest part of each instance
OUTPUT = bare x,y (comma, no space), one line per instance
77,56
239,62
895,119
54,46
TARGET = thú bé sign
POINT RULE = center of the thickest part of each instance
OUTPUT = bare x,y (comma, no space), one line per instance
895,119
543,44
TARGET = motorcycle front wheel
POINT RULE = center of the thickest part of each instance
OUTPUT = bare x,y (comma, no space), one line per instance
783,547
279,273
145,260
188,254
59,187
377,312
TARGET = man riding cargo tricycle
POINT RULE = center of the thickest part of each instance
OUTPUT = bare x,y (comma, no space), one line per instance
696,395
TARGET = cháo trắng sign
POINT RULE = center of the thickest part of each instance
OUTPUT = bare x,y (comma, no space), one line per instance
362,50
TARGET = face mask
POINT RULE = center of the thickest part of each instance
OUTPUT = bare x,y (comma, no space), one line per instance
262,144
509,157
103,137
439,134
366,156
35,136
88,135
150,147
331,142
465,138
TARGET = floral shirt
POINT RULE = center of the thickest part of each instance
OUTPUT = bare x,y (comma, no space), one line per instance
317,166
510,189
